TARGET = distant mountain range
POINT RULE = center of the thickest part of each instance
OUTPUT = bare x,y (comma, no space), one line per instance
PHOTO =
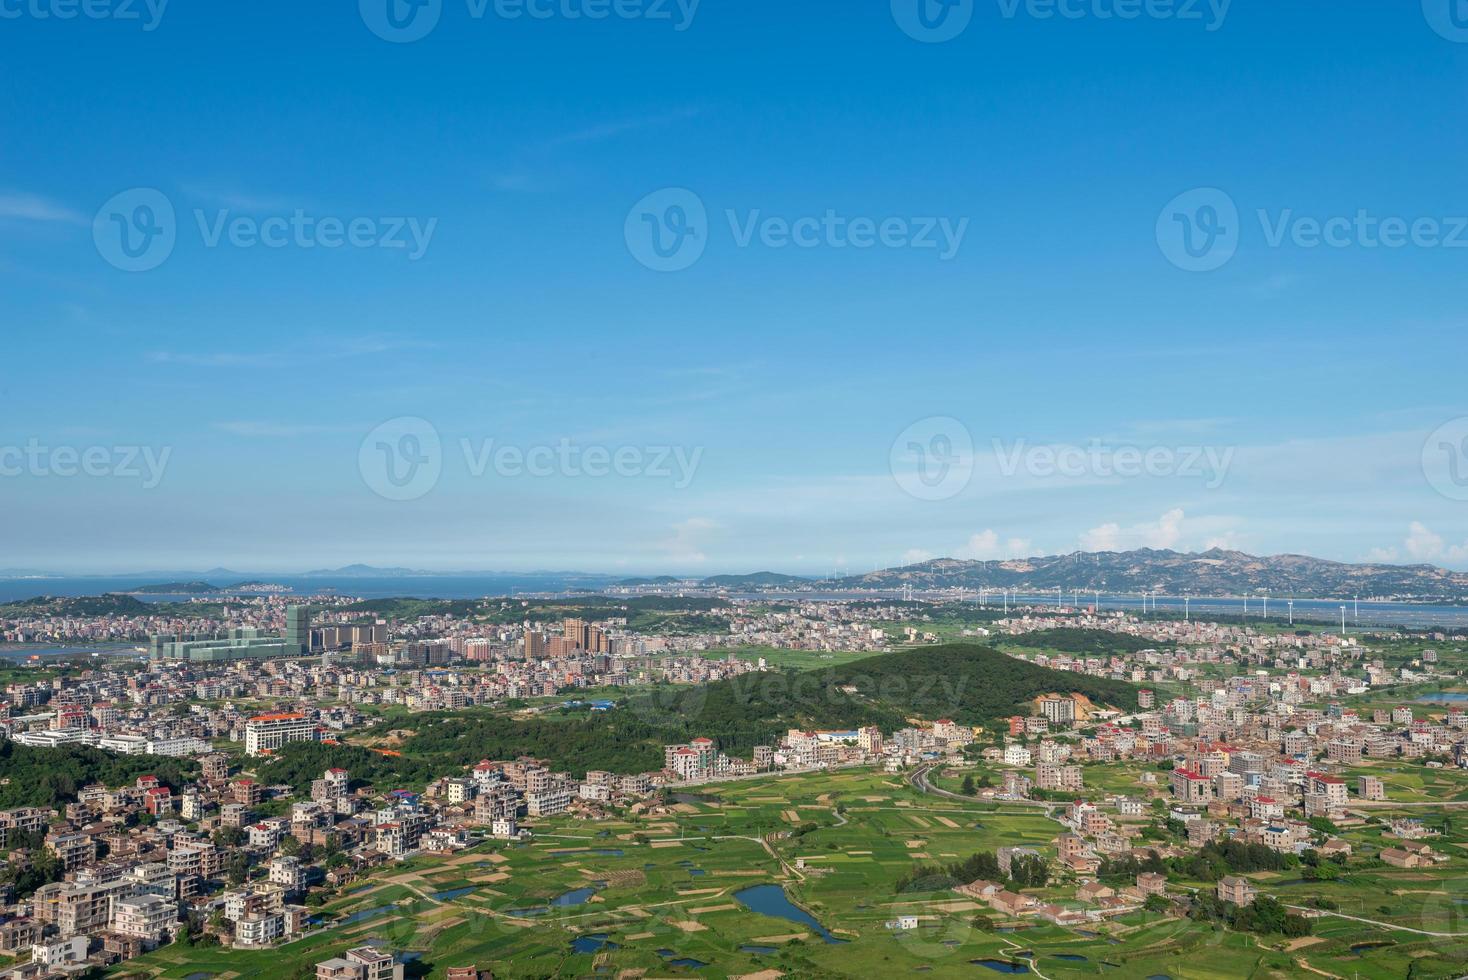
753,580
1211,573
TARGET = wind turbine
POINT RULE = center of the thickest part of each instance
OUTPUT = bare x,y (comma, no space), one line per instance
1291,603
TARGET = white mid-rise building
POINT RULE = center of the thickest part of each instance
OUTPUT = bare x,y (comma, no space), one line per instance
147,917
269,732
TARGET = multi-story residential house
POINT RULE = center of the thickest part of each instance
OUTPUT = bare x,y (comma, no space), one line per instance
150,918
77,909
1190,786
72,850
289,873
1236,890
259,929
363,963
22,820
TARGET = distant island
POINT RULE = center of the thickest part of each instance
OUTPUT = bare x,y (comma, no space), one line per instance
750,581
1213,573
1216,573
175,588
203,588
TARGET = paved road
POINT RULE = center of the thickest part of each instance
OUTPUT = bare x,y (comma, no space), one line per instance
1374,922
921,783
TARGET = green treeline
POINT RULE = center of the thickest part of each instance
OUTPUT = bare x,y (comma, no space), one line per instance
1081,642
51,777
965,682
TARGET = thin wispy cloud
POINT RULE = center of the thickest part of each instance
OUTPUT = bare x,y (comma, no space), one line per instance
237,199
333,349
33,207
610,130
219,359
275,430
521,177
523,183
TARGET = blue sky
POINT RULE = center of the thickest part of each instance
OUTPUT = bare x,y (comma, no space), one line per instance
1324,381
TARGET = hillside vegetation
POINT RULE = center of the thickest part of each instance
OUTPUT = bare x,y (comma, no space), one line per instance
51,777
966,682
111,604
1082,642
1216,572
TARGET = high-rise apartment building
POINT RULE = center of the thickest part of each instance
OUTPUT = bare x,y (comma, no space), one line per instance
298,628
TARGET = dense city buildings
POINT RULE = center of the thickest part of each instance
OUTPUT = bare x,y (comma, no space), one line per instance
1242,735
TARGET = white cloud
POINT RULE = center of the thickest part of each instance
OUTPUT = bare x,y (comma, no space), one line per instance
986,546
1165,532
1425,545
1421,545
913,556
689,539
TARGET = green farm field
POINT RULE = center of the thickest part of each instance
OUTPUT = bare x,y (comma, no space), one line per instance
656,894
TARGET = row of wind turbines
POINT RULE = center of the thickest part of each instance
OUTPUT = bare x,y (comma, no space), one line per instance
1146,597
